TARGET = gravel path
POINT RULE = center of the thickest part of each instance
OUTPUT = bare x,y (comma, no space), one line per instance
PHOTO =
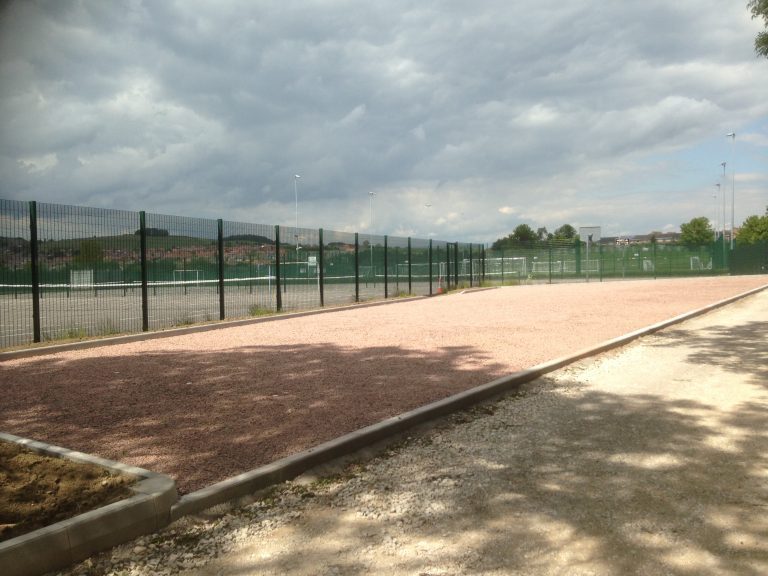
206,406
650,460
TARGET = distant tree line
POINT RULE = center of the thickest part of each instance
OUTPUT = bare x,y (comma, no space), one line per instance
699,231
524,235
153,232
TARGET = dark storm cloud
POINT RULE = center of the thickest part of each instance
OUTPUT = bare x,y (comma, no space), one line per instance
210,108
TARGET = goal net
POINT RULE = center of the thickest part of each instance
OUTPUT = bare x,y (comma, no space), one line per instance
186,277
81,278
544,267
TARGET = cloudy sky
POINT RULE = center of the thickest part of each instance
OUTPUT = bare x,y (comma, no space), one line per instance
464,118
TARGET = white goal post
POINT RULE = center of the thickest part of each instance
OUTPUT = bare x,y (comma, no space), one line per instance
81,278
186,276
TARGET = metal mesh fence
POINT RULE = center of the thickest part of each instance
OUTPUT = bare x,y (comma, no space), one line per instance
88,271
71,272
397,267
750,259
574,261
419,267
249,269
15,274
182,265
371,259
339,267
299,268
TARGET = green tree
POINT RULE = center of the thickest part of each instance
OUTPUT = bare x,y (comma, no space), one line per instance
91,253
565,232
754,229
697,232
522,234
759,9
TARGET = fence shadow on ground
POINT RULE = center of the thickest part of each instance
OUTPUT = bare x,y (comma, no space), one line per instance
740,349
599,482
203,417
621,484
608,483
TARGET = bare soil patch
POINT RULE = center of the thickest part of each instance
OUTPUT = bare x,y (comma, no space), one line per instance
38,490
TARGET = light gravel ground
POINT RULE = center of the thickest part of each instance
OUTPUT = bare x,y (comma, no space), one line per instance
648,460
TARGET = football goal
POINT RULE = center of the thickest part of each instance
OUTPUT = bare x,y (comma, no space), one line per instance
81,278
186,277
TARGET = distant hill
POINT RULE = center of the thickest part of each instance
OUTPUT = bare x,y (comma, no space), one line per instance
249,238
13,244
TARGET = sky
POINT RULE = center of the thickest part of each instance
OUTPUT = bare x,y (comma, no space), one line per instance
448,119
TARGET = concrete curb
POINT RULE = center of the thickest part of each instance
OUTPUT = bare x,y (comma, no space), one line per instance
219,325
70,541
294,465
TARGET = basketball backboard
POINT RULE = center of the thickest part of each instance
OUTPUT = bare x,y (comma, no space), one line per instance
589,233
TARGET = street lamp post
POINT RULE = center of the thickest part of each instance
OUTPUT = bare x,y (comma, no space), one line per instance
370,196
723,165
296,196
714,196
732,135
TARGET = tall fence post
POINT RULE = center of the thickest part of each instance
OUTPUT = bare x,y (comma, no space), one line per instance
456,264
448,266
34,269
577,248
410,288
220,223
320,271
549,250
386,274
482,263
357,267
144,275
502,266
470,265
279,297
600,252
430,266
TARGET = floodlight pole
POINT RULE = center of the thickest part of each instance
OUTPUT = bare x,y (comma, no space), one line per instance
296,196
714,224
723,165
732,135
370,236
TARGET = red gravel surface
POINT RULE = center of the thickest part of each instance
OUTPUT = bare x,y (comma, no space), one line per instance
203,407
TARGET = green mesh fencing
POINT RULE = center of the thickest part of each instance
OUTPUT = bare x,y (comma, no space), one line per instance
71,272
339,267
419,267
371,259
15,274
249,269
750,259
397,267
299,268
183,269
89,279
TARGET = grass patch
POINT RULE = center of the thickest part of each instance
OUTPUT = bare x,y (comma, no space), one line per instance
256,311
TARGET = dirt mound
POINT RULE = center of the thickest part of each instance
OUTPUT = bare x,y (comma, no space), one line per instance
37,490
